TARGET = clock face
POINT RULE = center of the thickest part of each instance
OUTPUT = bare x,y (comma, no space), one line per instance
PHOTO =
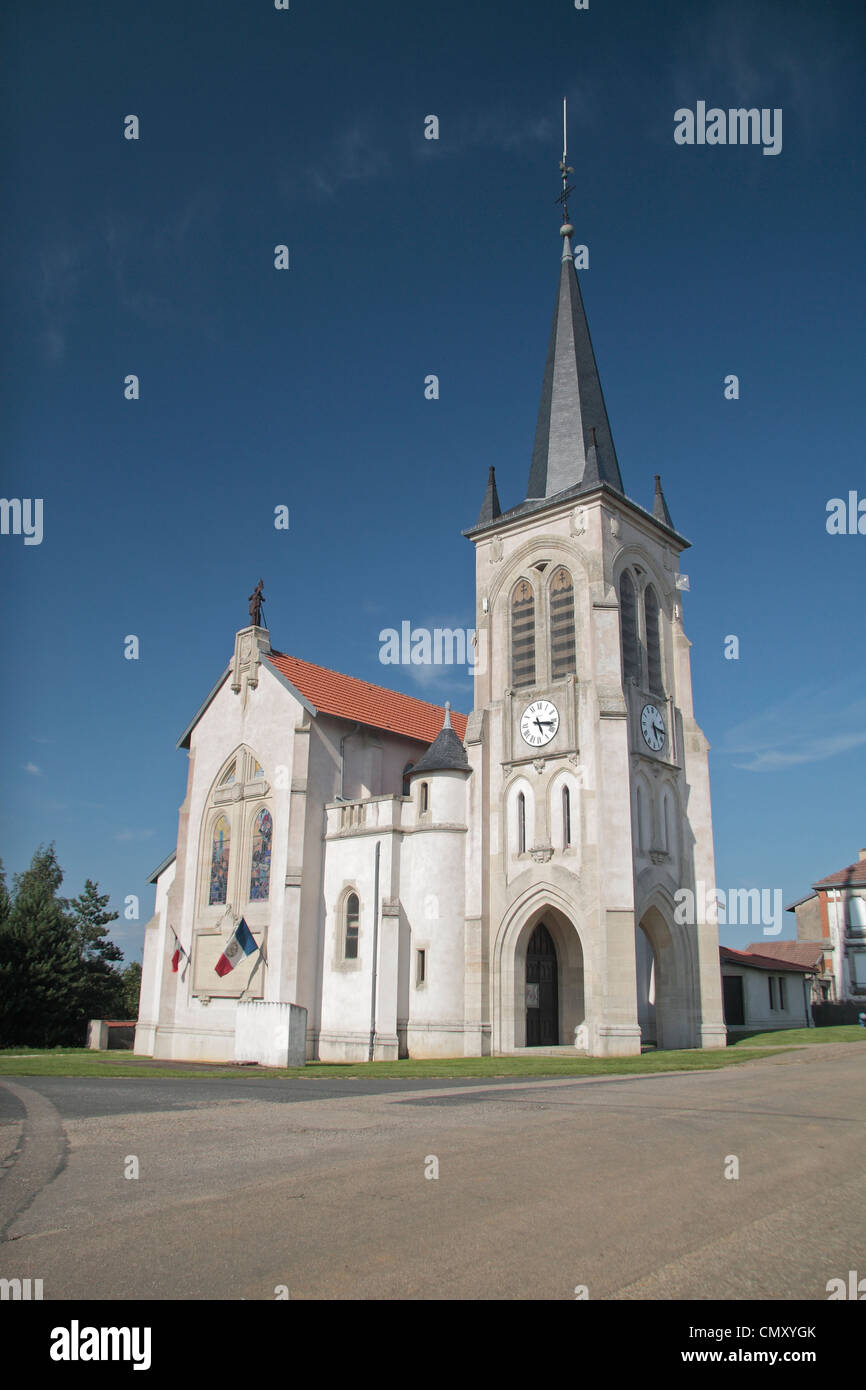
539,723
652,726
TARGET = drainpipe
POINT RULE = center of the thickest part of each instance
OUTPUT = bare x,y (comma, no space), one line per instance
375,951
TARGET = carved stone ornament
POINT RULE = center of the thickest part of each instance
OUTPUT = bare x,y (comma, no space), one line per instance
250,644
541,853
577,523
659,856
538,764
496,550
615,526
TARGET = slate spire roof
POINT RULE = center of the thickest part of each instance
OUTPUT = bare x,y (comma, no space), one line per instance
490,508
566,451
446,753
660,506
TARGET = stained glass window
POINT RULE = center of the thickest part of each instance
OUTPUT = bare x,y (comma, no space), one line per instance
228,777
219,868
260,872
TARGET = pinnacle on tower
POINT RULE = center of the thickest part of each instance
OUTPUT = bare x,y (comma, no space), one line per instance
490,508
660,506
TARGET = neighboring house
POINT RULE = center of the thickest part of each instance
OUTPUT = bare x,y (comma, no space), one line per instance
763,992
833,918
817,956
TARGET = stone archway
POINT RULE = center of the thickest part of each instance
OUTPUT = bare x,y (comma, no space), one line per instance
512,975
663,1003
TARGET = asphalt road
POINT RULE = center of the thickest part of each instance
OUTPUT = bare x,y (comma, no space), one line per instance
250,1187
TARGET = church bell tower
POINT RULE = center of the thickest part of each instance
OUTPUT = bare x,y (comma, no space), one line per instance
590,806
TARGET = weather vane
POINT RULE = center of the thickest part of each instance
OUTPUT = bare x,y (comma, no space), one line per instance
565,169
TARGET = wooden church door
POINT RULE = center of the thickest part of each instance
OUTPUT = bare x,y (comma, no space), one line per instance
542,990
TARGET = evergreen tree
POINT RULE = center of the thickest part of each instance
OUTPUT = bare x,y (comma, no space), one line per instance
42,980
104,996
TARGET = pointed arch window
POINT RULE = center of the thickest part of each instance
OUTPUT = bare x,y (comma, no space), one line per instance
260,869
653,641
523,635
424,798
566,818
563,656
628,624
521,824
219,868
228,776
350,932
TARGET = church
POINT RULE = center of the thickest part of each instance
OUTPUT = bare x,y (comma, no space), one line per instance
429,884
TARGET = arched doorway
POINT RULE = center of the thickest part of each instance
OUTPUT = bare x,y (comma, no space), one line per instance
542,990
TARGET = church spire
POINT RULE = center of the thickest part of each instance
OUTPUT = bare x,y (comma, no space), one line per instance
572,404
490,508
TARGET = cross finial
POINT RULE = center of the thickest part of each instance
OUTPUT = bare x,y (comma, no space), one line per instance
565,169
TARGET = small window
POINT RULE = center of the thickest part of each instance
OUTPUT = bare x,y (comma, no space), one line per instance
782,1000
772,986
228,776
406,770
857,915
353,912
420,967
258,771
425,797
566,818
521,824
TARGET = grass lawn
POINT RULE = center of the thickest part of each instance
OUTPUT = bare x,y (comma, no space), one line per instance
844,1032
83,1062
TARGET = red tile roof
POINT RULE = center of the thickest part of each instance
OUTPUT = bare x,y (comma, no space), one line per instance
854,874
731,957
350,698
799,952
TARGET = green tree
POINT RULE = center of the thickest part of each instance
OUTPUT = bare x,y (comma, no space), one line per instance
42,980
131,989
104,994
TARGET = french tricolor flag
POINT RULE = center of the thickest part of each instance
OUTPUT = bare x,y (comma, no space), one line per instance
240,944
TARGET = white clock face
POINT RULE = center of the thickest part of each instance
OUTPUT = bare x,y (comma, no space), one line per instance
539,723
652,726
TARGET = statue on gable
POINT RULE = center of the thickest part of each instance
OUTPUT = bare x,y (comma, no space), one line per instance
257,598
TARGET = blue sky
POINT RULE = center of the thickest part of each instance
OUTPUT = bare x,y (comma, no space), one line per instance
305,387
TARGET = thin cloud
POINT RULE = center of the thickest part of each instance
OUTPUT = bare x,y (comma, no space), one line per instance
127,835
33,769
809,726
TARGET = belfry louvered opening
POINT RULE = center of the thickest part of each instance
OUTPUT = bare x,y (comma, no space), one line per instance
628,623
563,655
523,635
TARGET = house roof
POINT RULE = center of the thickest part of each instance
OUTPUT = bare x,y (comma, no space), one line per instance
330,692
728,956
852,876
799,952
